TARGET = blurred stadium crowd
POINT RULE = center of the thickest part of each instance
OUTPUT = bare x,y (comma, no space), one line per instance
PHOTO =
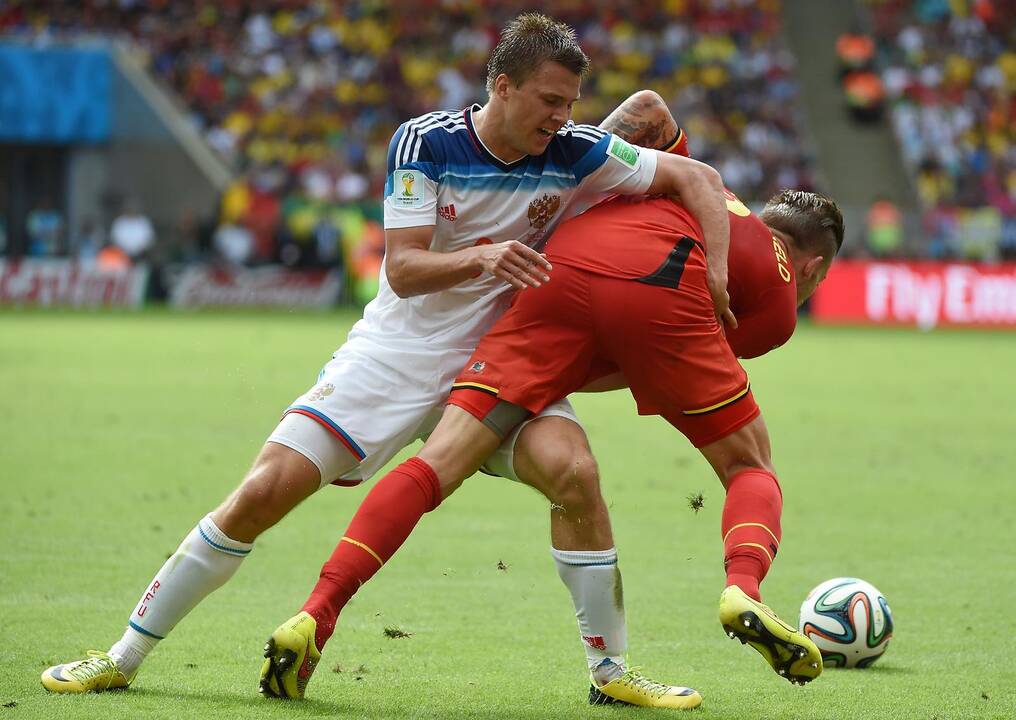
949,74
300,99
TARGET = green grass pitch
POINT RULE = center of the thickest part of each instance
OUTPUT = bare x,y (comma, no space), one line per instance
896,453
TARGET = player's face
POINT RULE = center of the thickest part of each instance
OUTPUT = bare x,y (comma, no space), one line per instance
540,106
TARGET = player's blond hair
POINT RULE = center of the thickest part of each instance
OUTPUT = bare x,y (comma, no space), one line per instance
530,40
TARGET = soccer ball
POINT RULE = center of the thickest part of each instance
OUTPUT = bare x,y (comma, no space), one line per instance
849,620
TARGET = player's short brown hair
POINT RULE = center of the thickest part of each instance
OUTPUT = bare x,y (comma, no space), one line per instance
530,40
809,218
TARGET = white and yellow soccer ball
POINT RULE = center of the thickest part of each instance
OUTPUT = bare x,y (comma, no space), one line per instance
849,620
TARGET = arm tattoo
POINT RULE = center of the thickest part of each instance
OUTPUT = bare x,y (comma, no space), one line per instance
644,122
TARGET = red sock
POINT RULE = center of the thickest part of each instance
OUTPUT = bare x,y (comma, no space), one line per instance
751,528
382,523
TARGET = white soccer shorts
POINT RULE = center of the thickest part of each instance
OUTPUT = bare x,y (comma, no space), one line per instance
365,409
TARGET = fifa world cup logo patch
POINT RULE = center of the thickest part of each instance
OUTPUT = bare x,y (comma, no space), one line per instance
413,188
407,184
477,367
321,392
543,209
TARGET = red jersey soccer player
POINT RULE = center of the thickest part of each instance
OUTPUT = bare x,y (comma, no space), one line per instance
630,293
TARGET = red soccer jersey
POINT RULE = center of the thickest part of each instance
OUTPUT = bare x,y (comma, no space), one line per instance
641,239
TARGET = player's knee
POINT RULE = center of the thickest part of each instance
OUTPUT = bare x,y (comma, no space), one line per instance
273,487
745,449
746,456
254,507
573,482
755,452
736,468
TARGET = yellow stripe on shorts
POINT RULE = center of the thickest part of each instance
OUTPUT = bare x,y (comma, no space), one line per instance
717,406
478,386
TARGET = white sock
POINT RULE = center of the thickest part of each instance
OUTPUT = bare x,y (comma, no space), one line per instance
594,581
205,560
130,650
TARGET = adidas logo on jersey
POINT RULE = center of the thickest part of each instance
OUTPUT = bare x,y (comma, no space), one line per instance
447,212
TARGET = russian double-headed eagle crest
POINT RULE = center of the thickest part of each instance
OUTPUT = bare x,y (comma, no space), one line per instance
321,392
543,209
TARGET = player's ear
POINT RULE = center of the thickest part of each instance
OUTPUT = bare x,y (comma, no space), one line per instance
813,266
501,84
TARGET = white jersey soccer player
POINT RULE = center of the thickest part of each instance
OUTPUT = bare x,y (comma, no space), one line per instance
385,387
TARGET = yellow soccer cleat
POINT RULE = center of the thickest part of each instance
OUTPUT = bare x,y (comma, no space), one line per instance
95,673
791,654
634,688
290,658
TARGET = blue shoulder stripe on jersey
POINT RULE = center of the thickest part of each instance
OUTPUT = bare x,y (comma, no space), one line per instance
442,147
590,131
392,150
411,126
393,146
506,181
410,147
593,159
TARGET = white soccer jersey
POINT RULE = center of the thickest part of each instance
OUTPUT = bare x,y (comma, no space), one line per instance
440,174
385,387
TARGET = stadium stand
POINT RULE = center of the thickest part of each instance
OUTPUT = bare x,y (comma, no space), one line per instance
301,97
949,69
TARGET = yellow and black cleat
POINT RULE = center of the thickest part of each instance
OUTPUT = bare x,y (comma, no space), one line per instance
95,673
634,688
290,658
790,653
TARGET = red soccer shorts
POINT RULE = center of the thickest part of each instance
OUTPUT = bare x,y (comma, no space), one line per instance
666,340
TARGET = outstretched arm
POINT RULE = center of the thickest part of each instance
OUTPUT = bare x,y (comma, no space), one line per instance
700,189
645,120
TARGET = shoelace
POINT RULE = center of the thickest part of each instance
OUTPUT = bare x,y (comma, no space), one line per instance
768,611
96,664
776,617
636,679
